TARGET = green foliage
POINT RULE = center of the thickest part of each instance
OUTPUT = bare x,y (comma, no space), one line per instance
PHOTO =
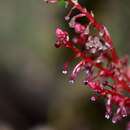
63,3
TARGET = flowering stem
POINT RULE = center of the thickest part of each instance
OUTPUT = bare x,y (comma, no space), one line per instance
98,26
99,60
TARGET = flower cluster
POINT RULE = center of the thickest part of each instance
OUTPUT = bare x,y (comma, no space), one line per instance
105,73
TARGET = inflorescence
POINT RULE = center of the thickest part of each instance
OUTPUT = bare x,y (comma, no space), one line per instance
105,73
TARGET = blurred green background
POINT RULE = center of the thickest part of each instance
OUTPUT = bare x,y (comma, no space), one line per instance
34,95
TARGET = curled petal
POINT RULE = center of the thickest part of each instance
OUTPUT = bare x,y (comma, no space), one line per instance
73,20
77,69
108,107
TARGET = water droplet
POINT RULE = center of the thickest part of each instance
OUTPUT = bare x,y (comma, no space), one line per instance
107,116
71,81
93,98
64,71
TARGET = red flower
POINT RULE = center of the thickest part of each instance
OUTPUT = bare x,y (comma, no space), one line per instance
105,73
